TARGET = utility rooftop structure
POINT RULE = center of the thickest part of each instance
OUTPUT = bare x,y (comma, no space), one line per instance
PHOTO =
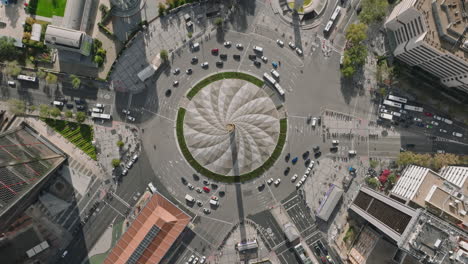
151,234
68,39
432,35
26,162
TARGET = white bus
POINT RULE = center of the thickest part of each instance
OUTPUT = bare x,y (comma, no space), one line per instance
386,116
101,116
26,78
335,14
391,103
413,108
327,28
279,89
273,82
397,99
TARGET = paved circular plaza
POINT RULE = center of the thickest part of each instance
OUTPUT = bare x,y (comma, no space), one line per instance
231,127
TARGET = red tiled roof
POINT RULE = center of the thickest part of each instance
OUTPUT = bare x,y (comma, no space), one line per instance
158,212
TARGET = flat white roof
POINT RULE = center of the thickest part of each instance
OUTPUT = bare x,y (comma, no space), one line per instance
410,180
36,32
455,175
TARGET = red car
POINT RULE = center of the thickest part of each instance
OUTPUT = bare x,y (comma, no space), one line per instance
214,50
427,114
206,189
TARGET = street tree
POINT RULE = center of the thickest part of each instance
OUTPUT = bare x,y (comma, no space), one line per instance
55,112
76,81
164,55
44,111
161,9
120,144
218,22
80,117
8,51
68,114
115,163
373,10
356,33
16,106
51,78
444,159
41,74
13,69
372,182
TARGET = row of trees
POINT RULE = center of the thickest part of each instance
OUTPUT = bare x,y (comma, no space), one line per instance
18,107
356,53
433,161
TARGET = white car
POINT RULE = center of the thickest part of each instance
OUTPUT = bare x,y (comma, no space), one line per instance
457,134
129,165
294,178
270,181
124,172
264,59
125,111
280,42
191,259
303,179
204,65
190,186
440,151
299,51
131,118
227,44
175,83
335,142
434,123
384,111
198,190
239,46
311,164
202,260
298,185
417,119
352,152
442,130
292,45
438,118
176,71
277,182
99,105
307,171
195,261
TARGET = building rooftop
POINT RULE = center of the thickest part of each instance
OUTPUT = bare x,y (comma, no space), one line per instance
449,204
410,181
456,175
151,234
26,158
447,25
332,197
63,37
365,244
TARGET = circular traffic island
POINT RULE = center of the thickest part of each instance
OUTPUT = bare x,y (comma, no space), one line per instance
230,129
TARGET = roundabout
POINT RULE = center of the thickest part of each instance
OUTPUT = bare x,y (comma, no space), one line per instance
230,130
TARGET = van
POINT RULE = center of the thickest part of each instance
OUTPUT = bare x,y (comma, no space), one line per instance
275,74
448,121
189,198
96,110
135,157
214,203
195,46
314,122
99,105
58,103
12,83
457,134
258,49
152,188
352,152
396,114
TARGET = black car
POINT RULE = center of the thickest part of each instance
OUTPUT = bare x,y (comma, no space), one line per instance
410,145
257,63
189,71
79,101
305,155
80,107
236,56
317,251
184,181
252,56
261,186
223,56
322,247
317,154
69,106
214,186
288,156
219,63
307,162
206,182
315,149
286,171
194,60
334,149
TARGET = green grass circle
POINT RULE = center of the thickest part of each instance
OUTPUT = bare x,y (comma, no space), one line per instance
204,171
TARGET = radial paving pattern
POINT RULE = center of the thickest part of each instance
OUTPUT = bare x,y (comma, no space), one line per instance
231,127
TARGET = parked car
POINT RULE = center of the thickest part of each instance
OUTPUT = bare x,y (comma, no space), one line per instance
204,65
80,107
214,198
176,71
417,119
206,182
427,114
239,46
214,51
257,63
299,51
277,182
124,172
294,178
335,142
270,181
223,56
198,190
292,45
442,130
206,189
206,211
280,42
219,63
264,59
194,60
236,56
227,44
457,134
125,111
175,83
434,123
188,71
252,56
131,118
294,160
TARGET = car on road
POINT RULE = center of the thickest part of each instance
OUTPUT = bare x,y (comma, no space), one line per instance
252,57
219,63
257,63
206,211
202,260
236,56
215,51
438,117
194,60
287,157
417,119
277,182
214,198
206,189
199,203
227,44
125,111
206,182
124,172
223,56
239,46
457,134
294,178
316,148
294,160
442,130
64,253
264,59
190,186
176,71
204,65
428,114
286,171
335,142
198,190
175,83
434,123
188,71
299,51
270,181
292,45
131,118
280,42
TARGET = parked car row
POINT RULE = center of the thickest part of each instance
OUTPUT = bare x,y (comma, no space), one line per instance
129,164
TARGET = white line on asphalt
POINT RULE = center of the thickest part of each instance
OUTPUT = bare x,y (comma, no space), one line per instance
214,219
113,208
120,199
157,114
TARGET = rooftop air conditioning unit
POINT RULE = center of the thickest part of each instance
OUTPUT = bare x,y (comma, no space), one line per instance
462,212
451,204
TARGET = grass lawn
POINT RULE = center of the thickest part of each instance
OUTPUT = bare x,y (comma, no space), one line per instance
80,135
48,8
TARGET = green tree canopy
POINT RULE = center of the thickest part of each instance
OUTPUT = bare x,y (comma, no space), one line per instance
68,114
16,106
115,163
54,112
41,74
80,117
120,143
44,110
218,21
51,78
161,9
13,69
373,10
164,55
356,33
76,81
8,51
